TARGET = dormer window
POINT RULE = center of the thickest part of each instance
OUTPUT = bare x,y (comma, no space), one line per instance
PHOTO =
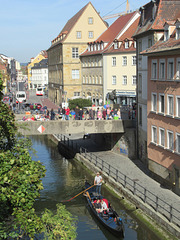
116,45
126,44
177,29
102,46
95,47
98,46
134,44
89,48
166,35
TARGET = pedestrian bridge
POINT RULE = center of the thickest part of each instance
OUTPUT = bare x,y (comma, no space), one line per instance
73,126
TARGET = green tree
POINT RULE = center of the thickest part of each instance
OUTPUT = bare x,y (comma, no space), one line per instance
20,183
81,103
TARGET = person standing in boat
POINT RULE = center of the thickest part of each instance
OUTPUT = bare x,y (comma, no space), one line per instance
98,182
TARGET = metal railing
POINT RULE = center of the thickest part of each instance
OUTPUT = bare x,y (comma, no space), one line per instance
159,205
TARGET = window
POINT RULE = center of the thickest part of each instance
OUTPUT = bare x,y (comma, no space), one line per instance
100,80
90,20
133,60
90,80
76,93
97,80
87,79
75,53
178,142
149,42
154,69
170,69
124,61
113,61
134,44
126,44
170,103
162,69
154,134
140,84
178,106
116,45
161,103
75,74
170,141
113,80
140,46
84,81
140,116
161,137
91,34
178,69
133,80
154,102
78,34
124,80
93,80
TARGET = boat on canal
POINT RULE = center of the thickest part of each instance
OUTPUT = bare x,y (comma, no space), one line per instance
109,218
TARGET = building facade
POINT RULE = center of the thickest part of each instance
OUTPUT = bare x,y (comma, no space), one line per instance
40,74
163,107
37,59
149,31
109,63
63,55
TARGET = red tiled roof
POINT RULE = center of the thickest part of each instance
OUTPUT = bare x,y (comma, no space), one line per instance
127,35
111,33
168,10
161,45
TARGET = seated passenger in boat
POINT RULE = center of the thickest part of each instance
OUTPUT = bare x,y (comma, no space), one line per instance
97,205
104,205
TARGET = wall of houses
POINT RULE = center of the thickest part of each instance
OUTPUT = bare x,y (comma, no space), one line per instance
164,119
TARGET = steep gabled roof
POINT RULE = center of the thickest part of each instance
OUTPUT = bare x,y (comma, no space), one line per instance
113,32
126,36
71,23
167,10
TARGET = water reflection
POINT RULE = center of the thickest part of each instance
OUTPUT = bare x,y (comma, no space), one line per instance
64,179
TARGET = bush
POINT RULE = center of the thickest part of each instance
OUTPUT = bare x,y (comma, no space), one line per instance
81,103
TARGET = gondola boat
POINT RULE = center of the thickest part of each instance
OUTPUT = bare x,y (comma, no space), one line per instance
110,219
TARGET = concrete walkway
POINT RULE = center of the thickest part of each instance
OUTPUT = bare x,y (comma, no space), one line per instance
132,169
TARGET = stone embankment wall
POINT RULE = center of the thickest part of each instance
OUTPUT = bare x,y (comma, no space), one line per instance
120,190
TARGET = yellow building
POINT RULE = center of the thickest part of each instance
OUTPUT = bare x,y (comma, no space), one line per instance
63,56
37,59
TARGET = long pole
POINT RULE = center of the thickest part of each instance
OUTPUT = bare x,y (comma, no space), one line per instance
79,193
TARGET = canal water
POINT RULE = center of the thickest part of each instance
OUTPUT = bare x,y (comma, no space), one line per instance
64,179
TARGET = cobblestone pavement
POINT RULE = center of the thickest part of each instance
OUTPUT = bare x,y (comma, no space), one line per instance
49,104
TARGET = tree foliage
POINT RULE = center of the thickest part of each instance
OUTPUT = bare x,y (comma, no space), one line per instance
81,103
20,183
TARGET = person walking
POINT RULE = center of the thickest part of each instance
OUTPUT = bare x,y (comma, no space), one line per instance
104,114
77,113
52,114
63,113
80,114
67,110
108,113
119,113
98,182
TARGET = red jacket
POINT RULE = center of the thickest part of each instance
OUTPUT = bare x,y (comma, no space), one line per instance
67,111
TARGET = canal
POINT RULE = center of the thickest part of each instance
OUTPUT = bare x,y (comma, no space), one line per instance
64,179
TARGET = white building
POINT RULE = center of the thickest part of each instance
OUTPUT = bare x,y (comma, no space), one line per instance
40,74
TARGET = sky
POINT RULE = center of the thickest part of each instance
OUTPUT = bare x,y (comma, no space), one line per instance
29,26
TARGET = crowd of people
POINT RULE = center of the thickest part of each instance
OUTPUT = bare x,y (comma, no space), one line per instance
89,113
